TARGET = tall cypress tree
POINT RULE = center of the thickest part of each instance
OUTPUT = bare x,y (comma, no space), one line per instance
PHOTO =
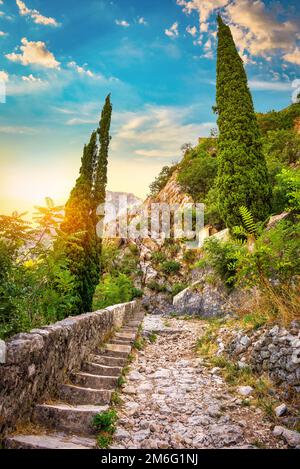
242,172
77,224
84,251
101,170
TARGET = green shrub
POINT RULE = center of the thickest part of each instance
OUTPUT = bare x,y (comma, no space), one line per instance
178,287
105,421
287,191
223,258
113,290
158,257
170,267
157,287
189,256
105,426
137,293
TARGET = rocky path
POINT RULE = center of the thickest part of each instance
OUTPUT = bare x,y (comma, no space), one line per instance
171,400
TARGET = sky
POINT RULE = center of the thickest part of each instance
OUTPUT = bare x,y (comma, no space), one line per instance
60,58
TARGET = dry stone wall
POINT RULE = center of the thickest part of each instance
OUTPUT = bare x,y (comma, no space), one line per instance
275,351
36,363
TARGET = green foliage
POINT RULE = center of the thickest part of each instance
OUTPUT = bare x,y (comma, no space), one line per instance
178,288
36,285
287,191
113,290
189,256
170,267
223,258
161,180
282,145
276,256
242,172
137,293
158,257
279,120
105,421
152,338
105,426
139,344
81,219
157,287
197,173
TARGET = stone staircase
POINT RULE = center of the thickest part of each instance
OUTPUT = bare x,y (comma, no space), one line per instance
66,423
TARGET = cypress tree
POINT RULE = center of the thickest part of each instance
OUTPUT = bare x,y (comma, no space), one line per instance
77,224
83,248
101,170
242,172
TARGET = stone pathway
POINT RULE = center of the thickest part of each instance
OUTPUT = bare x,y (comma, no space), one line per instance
171,400
66,421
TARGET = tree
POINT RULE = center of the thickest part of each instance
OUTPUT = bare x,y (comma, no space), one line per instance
242,172
101,170
77,222
84,248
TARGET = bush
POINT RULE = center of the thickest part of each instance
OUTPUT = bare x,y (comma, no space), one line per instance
158,257
287,191
113,290
157,287
178,288
223,258
198,169
36,285
170,267
189,256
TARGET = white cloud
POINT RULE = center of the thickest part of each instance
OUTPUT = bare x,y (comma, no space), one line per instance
256,30
123,23
4,76
16,130
37,17
157,131
142,20
270,85
293,57
2,33
34,53
81,70
204,7
192,30
31,78
173,31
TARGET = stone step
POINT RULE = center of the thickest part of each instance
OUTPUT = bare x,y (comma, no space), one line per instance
50,441
119,351
133,324
67,418
87,380
77,395
102,370
121,341
125,335
108,360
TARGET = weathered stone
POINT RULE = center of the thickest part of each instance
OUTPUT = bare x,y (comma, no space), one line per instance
280,410
245,390
291,437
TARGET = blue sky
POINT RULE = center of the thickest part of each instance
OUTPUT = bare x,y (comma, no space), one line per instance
59,59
